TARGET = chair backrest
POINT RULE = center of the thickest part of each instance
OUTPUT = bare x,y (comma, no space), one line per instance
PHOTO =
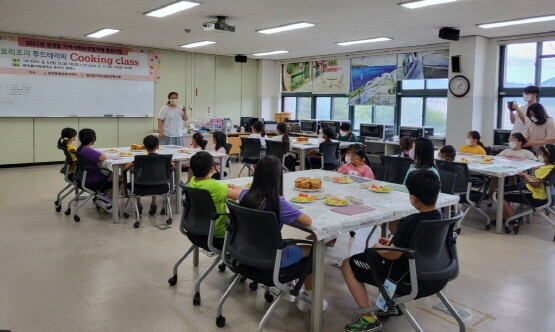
379,171
66,154
447,180
153,169
198,210
436,255
275,148
250,148
81,166
397,168
461,172
330,152
68,162
254,236
488,150
228,147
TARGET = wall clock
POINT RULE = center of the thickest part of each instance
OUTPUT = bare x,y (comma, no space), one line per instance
459,86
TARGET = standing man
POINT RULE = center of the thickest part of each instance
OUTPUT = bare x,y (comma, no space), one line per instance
518,113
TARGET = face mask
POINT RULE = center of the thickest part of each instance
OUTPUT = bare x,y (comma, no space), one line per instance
512,145
540,158
526,98
533,119
411,154
173,101
348,159
343,133
468,141
439,157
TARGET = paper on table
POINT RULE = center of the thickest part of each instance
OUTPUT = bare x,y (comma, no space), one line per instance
400,188
351,210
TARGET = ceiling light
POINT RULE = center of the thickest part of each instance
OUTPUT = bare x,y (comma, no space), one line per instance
518,21
102,33
363,41
423,3
197,44
286,27
172,8
270,53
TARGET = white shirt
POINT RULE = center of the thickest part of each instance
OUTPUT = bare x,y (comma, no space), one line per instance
519,126
521,154
173,120
262,139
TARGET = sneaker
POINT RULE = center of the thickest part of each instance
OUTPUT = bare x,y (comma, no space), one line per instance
153,209
140,208
391,311
362,325
305,306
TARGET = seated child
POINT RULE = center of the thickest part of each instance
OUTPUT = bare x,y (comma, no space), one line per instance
423,186
202,166
473,144
197,142
447,153
151,143
313,160
405,145
538,194
356,163
259,132
68,136
95,179
346,135
265,194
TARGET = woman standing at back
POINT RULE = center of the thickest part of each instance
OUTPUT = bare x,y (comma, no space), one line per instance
171,120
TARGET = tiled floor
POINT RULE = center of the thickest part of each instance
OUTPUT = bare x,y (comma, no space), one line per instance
58,275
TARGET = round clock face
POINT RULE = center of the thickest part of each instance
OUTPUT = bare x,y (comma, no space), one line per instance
459,86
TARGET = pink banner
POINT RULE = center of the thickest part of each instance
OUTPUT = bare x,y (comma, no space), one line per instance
70,46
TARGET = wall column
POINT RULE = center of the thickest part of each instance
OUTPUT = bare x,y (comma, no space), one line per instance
269,90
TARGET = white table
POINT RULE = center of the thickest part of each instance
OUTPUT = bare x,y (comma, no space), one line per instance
500,168
313,144
387,207
117,162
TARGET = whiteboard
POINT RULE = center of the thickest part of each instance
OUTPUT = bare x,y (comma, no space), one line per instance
40,96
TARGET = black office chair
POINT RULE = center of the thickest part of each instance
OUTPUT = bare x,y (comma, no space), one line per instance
529,205
471,189
252,249
222,173
329,157
67,170
151,175
379,171
447,180
397,168
93,191
251,152
276,149
433,261
197,223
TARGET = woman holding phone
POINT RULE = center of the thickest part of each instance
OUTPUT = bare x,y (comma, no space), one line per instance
171,120
518,113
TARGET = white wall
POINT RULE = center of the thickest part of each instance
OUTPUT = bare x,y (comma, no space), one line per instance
269,88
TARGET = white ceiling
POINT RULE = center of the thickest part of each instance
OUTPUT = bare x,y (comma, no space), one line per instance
338,20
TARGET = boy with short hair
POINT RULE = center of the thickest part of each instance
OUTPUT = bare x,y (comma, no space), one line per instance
447,153
345,133
151,143
202,165
423,186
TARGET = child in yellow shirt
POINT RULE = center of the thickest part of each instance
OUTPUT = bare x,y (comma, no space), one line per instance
473,144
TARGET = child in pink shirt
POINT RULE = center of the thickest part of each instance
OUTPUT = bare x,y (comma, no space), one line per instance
356,163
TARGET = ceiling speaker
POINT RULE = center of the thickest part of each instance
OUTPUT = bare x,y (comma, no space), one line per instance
240,58
449,33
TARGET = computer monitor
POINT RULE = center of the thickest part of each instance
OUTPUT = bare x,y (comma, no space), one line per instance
309,126
270,126
416,132
247,121
334,125
501,136
375,131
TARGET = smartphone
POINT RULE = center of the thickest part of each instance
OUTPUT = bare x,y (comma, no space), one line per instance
510,104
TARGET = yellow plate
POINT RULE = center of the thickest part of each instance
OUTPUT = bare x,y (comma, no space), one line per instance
381,191
326,201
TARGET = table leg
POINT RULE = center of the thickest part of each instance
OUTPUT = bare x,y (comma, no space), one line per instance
302,157
500,194
115,193
318,272
177,188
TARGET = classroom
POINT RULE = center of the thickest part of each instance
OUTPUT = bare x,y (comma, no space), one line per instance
151,152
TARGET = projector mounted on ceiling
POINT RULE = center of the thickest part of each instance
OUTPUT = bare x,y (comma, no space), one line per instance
219,25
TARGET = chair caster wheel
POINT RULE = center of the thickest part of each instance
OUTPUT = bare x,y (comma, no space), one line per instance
136,224
220,321
507,230
126,215
173,280
97,208
458,231
488,227
516,229
268,297
169,221
243,279
253,286
221,267
68,212
56,202
352,233
196,299
76,218
58,208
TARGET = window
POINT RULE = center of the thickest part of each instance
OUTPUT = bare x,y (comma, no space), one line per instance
426,106
436,115
413,84
323,108
304,108
522,65
290,105
340,108
363,114
384,114
411,111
